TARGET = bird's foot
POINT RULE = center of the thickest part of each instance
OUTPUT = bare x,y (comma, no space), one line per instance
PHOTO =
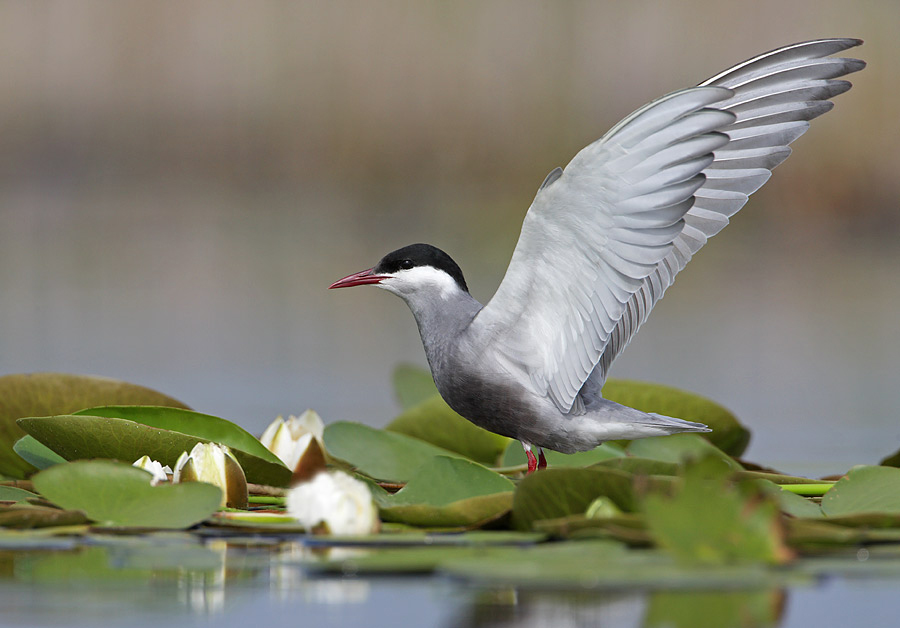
532,461
542,462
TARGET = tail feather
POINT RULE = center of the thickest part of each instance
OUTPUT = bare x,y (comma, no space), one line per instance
672,425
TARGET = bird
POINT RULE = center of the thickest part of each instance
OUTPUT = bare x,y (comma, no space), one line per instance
600,244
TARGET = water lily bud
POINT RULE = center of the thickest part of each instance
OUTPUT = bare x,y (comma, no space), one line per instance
298,444
155,468
335,503
214,464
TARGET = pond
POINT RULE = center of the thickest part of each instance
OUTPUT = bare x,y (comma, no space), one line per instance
125,581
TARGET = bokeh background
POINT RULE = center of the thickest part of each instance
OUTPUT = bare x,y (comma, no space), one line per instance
180,182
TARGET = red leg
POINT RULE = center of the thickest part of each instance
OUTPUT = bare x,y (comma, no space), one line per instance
542,464
532,461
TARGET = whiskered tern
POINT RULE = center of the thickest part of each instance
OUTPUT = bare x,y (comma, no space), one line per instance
600,244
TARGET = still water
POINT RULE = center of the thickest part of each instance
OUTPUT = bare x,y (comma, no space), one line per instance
127,583
220,300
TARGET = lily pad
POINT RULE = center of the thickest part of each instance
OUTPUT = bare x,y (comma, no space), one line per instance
13,494
23,516
737,525
413,537
36,453
448,492
413,385
408,560
209,428
45,394
727,432
791,503
867,489
515,456
433,421
118,494
811,535
554,493
627,528
679,448
76,437
379,454
641,466
597,564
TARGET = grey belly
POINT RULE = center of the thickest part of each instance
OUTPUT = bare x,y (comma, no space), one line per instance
506,409
495,407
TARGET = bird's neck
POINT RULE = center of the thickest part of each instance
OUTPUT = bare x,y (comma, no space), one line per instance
441,321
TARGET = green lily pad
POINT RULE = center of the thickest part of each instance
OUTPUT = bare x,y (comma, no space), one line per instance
36,453
23,516
679,448
867,520
78,437
443,480
379,454
45,394
641,466
811,535
413,385
891,461
791,503
118,494
448,492
209,428
727,433
739,523
408,560
413,537
626,528
554,493
867,489
473,512
433,421
597,564
13,494
515,456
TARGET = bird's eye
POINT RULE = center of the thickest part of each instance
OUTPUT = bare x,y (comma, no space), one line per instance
406,264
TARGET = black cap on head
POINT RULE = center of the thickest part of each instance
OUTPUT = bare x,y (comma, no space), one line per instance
420,255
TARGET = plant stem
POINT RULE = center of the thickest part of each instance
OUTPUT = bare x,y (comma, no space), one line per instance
267,499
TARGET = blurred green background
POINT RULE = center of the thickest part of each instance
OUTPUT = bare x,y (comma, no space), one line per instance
180,182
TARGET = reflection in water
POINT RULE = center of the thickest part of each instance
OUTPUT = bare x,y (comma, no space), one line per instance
203,592
286,576
507,608
144,581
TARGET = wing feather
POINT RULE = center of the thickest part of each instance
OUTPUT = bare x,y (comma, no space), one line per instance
775,96
606,236
595,233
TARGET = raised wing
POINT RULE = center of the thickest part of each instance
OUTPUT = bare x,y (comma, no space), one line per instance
775,96
594,233
604,238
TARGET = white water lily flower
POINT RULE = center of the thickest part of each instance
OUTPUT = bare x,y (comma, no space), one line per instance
297,442
214,464
154,467
336,502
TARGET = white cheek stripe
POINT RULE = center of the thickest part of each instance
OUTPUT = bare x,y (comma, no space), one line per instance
420,277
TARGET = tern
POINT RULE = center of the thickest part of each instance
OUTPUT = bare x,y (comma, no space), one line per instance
600,244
